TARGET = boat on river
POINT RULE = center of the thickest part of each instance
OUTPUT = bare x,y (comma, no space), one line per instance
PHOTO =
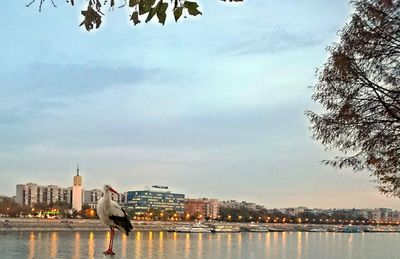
352,229
191,228
222,228
381,229
319,229
274,229
255,228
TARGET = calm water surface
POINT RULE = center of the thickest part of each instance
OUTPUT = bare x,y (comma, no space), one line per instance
217,246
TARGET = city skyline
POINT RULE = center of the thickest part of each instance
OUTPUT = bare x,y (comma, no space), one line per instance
157,202
213,106
153,187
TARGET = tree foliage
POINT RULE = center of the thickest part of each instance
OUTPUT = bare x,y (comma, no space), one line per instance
359,90
140,10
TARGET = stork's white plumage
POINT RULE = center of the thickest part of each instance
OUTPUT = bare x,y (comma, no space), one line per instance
113,216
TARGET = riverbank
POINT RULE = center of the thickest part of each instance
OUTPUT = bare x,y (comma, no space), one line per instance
31,224
13,224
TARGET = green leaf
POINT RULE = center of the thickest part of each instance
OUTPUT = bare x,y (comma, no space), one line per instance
161,12
135,18
145,6
132,3
92,19
178,13
151,14
192,8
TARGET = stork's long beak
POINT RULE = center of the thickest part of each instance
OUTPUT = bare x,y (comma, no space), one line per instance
114,191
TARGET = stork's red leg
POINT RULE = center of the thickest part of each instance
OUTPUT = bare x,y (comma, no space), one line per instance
112,238
110,246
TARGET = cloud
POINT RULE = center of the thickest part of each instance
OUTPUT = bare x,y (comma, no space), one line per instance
271,40
69,80
40,93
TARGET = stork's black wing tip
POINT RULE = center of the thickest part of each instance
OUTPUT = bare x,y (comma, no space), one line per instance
123,223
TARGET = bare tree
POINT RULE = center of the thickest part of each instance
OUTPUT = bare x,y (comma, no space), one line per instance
358,87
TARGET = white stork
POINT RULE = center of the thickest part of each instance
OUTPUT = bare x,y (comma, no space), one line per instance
113,216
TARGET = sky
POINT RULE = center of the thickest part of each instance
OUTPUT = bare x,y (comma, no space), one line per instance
211,106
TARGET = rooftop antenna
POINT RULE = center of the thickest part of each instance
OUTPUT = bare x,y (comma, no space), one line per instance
77,170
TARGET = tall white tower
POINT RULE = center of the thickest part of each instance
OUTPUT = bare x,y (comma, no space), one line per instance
77,191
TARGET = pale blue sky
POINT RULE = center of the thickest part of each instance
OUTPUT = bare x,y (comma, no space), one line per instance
212,106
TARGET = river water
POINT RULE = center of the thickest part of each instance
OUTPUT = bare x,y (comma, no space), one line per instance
291,245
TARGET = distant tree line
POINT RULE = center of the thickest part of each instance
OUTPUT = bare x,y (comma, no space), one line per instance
10,208
275,216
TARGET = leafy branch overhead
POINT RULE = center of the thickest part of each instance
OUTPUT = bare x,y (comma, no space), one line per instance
140,10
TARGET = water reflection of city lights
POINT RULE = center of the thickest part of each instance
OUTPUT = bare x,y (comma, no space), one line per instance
106,240
284,239
187,245
32,240
138,244
77,246
53,244
161,241
239,244
123,245
91,245
229,244
150,245
299,244
268,244
200,245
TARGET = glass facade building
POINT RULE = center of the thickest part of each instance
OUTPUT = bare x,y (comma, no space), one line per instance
155,200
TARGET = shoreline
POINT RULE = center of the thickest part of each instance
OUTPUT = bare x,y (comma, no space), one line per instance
32,224
69,225
15,225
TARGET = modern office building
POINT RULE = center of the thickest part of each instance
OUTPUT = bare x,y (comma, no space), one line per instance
157,198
